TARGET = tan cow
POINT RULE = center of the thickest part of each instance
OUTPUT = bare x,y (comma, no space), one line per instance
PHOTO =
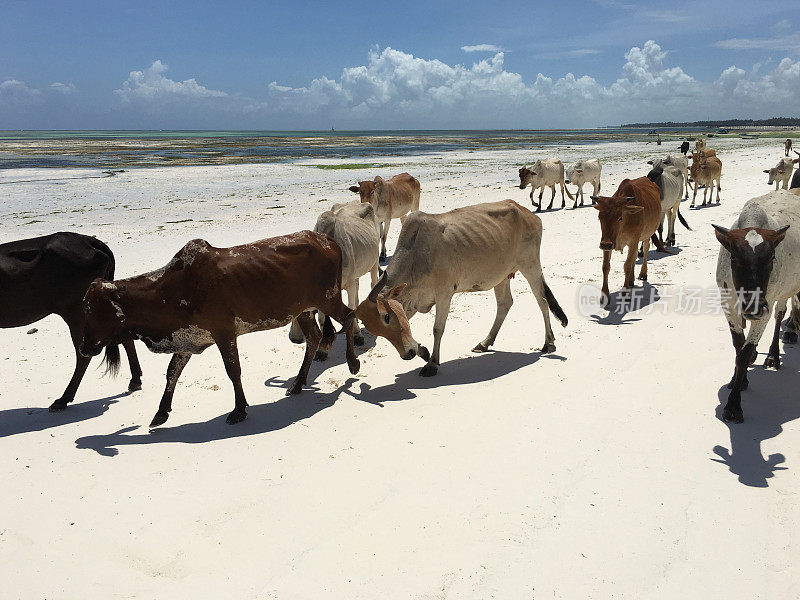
705,171
469,249
548,172
780,173
392,199
630,216
787,147
700,144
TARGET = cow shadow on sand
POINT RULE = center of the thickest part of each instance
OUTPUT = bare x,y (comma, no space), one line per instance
452,373
621,305
771,400
15,421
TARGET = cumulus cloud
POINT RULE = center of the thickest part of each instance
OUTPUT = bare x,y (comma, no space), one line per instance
62,88
482,48
14,91
152,84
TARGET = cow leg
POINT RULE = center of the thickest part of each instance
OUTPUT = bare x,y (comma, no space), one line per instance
345,316
174,370
373,275
719,187
536,281
628,266
553,197
502,293
606,269
694,196
384,234
442,310
229,351
563,202
673,213
744,358
136,369
295,333
313,336
533,202
705,190
352,304
580,191
643,270
773,357
75,324
328,337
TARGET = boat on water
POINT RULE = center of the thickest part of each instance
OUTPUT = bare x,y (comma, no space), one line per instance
748,136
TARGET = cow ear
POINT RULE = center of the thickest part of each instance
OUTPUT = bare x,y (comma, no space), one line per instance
723,236
779,235
354,188
766,171
395,291
381,306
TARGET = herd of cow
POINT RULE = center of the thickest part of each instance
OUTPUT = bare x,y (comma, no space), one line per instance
209,296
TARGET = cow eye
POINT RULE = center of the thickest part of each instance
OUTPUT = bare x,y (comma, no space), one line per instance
620,219
387,318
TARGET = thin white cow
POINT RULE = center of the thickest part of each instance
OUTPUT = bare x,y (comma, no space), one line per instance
681,162
757,273
781,173
548,172
354,227
669,180
584,171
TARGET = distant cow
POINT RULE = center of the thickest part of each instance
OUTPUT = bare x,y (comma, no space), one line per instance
684,147
700,144
49,275
757,272
391,199
584,171
787,146
627,218
706,171
354,227
470,249
780,173
681,162
669,180
548,172
209,295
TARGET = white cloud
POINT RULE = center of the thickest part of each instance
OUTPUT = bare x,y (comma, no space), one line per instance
482,48
13,91
788,42
63,88
151,84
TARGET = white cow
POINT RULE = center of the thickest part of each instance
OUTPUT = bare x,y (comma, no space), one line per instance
764,241
584,171
669,180
780,173
680,161
547,172
355,228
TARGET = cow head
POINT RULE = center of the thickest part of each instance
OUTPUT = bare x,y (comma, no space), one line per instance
384,316
752,253
104,320
655,173
528,175
364,189
574,172
773,172
614,212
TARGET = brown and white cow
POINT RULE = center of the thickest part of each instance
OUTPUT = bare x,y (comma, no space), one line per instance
630,216
209,295
392,199
706,170
470,249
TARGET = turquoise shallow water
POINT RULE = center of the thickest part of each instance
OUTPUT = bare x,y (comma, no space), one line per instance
113,149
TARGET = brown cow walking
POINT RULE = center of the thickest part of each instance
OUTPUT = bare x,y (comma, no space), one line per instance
630,216
209,295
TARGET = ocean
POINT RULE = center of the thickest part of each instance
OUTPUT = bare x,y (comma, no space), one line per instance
127,149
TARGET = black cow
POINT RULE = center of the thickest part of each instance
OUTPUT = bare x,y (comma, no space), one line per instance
684,147
50,275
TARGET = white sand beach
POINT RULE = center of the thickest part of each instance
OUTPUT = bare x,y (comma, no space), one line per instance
599,471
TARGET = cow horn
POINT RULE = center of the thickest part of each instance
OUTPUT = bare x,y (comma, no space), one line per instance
373,295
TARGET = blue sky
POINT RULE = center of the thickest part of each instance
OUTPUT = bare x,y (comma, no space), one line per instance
307,65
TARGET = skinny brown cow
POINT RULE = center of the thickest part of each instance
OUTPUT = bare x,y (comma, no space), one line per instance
209,295
630,216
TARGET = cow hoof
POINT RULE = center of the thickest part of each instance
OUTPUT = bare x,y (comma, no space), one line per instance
159,419
59,405
733,416
772,362
358,340
237,416
642,277
354,366
480,348
790,337
548,348
429,370
135,385
321,356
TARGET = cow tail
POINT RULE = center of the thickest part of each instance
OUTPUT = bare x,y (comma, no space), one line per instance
553,304
111,360
565,188
682,220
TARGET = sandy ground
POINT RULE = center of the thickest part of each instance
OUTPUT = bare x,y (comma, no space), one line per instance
601,471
